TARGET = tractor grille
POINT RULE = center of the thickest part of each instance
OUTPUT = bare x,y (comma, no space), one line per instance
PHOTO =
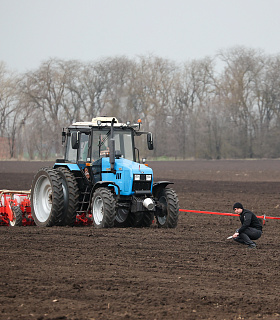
141,185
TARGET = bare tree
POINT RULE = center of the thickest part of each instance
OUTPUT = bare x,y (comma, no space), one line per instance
268,101
192,110
153,89
11,112
45,89
193,90
88,89
240,76
7,97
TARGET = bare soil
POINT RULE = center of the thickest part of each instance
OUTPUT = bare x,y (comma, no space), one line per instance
191,272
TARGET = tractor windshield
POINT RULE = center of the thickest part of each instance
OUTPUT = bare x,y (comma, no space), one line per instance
123,143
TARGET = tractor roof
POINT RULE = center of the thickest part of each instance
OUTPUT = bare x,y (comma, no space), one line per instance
97,122
102,122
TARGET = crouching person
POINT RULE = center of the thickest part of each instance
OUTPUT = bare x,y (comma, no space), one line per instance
251,228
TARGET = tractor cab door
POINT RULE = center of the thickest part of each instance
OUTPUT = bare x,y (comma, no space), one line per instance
100,144
78,146
83,151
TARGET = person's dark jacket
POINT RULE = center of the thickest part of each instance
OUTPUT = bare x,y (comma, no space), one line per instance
249,219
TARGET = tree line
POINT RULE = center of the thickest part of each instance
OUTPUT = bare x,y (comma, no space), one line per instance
221,107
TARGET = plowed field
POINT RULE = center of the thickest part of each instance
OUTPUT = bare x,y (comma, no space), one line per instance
191,272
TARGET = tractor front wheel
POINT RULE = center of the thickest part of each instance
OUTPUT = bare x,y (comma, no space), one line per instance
168,216
47,198
103,208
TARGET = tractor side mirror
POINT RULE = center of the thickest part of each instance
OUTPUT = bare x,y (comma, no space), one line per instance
150,141
63,134
75,140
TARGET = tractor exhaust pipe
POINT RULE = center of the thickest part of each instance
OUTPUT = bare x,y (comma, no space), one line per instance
149,204
112,146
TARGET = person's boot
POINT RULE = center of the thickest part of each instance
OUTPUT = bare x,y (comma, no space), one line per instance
252,246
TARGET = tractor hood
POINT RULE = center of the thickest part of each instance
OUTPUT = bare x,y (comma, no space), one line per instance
131,177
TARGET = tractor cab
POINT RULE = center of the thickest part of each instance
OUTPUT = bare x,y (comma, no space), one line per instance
87,142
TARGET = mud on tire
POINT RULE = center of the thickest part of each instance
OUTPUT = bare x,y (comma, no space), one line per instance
47,198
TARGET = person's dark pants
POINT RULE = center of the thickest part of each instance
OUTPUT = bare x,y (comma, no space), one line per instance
248,235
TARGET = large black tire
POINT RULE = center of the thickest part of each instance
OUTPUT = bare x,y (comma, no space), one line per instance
170,203
103,208
70,196
17,219
135,219
147,220
121,217
47,198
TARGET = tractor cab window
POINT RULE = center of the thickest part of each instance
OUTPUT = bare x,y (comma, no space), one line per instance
94,146
71,154
83,147
100,144
123,143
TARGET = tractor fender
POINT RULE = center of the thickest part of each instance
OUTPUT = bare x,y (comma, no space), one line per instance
158,186
70,166
104,184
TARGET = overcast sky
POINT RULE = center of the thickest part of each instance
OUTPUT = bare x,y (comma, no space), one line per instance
32,31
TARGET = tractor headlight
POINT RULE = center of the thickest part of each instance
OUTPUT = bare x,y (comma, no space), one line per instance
137,177
148,177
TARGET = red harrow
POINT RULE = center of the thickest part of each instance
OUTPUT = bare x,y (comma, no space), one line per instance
15,208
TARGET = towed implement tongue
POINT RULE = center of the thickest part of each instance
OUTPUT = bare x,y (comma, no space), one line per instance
15,208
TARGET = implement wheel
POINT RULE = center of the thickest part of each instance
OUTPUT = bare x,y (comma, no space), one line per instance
17,217
70,196
103,208
169,215
47,198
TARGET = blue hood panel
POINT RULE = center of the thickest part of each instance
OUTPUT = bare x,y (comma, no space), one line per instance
125,169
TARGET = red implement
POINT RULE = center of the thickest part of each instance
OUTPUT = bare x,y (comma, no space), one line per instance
15,208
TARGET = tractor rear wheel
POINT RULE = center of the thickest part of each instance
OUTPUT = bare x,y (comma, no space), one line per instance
103,208
70,195
47,198
17,217
169,215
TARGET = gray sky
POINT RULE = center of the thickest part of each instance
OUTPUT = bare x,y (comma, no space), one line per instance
32,31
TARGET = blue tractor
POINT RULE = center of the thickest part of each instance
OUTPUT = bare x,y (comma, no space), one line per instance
101,178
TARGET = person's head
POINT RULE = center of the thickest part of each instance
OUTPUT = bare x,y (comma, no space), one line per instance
238,208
